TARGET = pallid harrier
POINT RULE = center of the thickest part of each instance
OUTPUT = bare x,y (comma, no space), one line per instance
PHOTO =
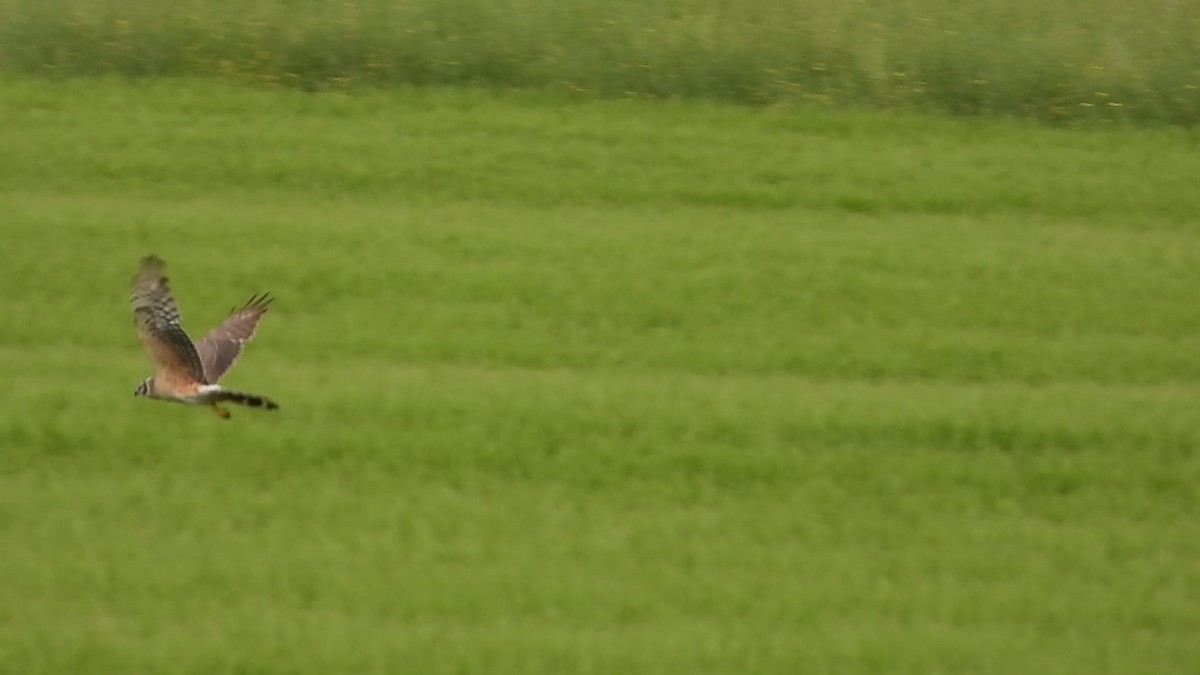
184,371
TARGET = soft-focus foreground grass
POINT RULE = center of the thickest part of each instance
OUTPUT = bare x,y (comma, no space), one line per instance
1059,61
605,387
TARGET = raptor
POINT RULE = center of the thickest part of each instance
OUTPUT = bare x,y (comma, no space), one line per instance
186,371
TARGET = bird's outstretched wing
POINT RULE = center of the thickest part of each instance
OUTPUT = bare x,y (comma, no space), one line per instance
157,320
220,349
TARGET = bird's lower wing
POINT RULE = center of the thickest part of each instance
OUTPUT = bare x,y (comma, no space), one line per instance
222,346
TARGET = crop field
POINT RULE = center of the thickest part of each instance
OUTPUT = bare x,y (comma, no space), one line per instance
588,386
1063,62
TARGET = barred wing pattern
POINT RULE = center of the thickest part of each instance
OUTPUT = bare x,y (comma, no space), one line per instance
158,325
220,349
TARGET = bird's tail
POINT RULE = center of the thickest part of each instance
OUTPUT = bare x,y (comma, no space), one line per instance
248,400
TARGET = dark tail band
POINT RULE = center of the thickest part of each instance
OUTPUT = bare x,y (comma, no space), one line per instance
249,400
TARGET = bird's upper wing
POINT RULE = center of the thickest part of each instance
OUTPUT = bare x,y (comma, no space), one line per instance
157,320
220,349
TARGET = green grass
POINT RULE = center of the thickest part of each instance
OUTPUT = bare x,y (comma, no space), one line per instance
598,387
1062,61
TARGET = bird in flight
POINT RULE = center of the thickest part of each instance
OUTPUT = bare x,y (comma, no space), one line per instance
186,371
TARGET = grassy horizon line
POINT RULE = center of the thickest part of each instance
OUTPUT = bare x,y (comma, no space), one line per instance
1059,64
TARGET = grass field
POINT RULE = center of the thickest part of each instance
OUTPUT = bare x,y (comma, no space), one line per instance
598,387
1063,62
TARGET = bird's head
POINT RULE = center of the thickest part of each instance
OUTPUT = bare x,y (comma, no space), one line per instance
143,388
